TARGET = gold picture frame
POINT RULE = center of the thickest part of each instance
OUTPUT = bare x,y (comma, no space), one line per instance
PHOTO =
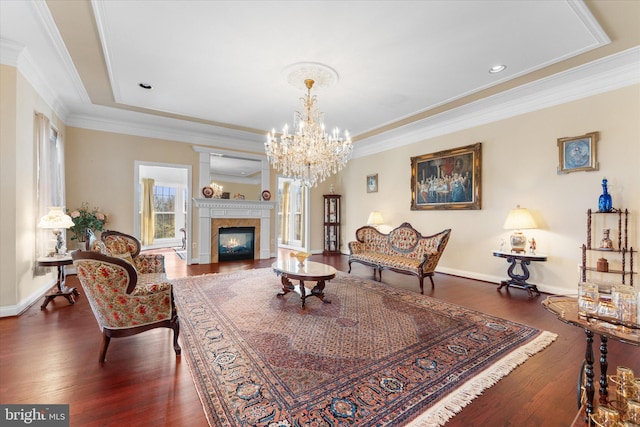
447,179
372,183
578,153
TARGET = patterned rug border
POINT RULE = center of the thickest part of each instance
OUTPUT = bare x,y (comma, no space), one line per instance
446,407
453,403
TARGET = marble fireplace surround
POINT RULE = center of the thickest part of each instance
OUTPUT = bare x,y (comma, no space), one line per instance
216,213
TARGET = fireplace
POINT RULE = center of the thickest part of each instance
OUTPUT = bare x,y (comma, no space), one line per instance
235,243
221,213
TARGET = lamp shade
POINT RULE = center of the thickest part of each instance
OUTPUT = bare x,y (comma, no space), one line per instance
55,219
519,219
375,219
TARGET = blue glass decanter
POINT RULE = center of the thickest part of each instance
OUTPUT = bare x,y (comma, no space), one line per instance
604,201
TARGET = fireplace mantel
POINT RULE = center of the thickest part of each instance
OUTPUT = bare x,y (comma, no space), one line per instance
209,209
232,204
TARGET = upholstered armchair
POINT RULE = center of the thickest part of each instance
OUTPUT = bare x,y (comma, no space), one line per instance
122,306
122,245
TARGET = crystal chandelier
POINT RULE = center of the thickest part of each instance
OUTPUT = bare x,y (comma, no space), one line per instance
310,154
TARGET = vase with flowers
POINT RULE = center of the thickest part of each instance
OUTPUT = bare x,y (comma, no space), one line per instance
85,217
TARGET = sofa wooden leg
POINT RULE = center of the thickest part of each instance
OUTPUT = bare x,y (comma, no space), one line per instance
105,344
175,325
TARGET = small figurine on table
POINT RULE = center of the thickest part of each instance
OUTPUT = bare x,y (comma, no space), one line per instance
532,246
60,249
502,245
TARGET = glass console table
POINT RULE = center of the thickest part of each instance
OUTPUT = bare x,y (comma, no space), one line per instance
566,309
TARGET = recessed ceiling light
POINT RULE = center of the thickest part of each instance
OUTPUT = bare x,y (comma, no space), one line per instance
145,86
497,68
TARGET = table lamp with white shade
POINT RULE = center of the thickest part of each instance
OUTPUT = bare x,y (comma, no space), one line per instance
519,219
56,220
375,219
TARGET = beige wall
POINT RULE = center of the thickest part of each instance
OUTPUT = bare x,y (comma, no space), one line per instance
100,170
19,102
101,166
519,160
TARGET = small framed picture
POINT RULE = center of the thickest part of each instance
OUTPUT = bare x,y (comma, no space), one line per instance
372,183
578,153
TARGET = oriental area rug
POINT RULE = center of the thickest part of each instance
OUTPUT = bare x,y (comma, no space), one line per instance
374,356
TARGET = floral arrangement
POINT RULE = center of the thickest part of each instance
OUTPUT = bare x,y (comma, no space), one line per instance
84,218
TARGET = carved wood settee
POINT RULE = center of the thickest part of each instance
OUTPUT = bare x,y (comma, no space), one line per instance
128,293
403,250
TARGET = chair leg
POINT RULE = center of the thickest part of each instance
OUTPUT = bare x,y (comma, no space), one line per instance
432,284
421,284
349,272
175,325
105,344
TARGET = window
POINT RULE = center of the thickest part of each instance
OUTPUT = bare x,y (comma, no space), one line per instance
164,204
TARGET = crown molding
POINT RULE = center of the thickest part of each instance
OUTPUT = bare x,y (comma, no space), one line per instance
606,74
10,52
108,119
49,24
14,54
17,55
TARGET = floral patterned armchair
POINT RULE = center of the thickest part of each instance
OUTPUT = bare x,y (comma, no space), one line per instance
124,300
123,245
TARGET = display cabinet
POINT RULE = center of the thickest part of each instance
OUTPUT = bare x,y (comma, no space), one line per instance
331,224
610,254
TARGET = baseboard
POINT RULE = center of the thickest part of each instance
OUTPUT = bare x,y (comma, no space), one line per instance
542,287
16,310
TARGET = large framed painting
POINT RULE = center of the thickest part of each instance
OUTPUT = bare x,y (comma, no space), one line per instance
577,153
447,179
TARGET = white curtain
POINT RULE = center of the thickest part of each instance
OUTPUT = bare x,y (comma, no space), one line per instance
50,185
284,208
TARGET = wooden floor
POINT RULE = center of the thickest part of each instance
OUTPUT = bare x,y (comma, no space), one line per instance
51,357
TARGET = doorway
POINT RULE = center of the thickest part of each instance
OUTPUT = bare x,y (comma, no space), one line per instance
292,214
166,189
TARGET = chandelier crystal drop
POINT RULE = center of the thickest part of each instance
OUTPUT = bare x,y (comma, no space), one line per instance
310,154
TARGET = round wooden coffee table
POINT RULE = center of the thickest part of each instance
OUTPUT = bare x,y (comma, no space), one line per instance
290,269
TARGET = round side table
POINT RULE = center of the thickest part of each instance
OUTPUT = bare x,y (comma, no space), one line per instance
60,289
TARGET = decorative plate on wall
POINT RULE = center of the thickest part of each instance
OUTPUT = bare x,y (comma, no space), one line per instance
266,195
207,192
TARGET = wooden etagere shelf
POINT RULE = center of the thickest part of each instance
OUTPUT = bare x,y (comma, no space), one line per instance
622,250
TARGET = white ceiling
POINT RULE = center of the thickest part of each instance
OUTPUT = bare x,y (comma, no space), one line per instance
216,66
222,60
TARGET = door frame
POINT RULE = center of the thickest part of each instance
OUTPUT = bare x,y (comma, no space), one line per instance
136,198
306,231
